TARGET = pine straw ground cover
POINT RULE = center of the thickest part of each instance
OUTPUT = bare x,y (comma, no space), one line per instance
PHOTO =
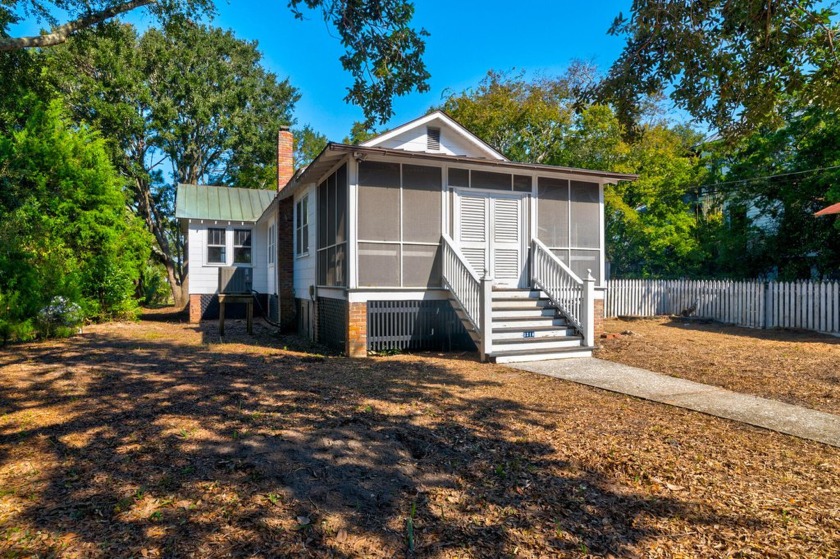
794,366
154,440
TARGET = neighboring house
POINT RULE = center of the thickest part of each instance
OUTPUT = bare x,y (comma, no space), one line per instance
426,237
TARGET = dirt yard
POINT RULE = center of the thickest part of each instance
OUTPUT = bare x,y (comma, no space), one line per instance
155,440
797,367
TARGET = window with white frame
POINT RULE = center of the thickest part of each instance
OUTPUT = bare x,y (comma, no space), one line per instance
272,243
216,246
302,226
241,246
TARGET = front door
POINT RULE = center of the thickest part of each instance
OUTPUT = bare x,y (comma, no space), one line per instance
490,235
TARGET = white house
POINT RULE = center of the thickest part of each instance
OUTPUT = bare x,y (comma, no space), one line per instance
426,237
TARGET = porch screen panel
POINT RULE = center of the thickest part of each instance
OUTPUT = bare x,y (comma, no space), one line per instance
421,204
379,201
332,199
379,264
332,229
341,205
585,215
581,260
553,212
521,183
459,177
421,266
491,181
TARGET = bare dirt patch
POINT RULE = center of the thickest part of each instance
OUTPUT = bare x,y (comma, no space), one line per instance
155,440
793,366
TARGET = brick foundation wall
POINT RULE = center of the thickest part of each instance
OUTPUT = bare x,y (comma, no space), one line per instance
599,316
357,316
286,263
195,309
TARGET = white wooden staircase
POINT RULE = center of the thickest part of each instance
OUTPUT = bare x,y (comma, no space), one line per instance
527,327
553,320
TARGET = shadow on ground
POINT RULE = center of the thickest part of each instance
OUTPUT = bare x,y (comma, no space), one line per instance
141,444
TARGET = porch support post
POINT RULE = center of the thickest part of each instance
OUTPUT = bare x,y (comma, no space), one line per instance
486,318
587,310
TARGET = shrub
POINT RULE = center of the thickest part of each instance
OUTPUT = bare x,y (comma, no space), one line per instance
60,318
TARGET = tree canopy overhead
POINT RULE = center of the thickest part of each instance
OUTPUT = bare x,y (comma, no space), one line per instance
189,104
733,65
383,51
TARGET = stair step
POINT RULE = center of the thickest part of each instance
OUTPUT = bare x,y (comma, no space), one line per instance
499,294
535,333
499,314
540,355
534,344
529,323
520,303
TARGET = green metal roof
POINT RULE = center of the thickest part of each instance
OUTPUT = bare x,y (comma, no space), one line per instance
223,203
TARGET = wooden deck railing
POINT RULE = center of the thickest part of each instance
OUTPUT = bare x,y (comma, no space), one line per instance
572,295
474,295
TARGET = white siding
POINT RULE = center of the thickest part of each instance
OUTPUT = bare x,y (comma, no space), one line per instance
260,258
416,140
204,277
305,266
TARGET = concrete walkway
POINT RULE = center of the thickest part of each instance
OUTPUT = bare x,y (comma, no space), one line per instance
770,414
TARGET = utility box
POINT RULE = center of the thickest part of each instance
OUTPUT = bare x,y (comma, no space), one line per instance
236,280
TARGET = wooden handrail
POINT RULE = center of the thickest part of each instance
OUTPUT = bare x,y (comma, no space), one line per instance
460,279
563,287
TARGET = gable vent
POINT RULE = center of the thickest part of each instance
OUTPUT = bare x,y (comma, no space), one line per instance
433,139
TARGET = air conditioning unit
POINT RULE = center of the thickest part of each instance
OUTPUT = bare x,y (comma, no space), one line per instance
236,279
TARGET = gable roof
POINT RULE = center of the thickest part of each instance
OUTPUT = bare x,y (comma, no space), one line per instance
440,119
222,203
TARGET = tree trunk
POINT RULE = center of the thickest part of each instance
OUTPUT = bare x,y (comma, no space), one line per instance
180,293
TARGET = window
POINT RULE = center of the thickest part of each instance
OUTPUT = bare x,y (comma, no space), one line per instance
272,243
241,246
216,245
302,226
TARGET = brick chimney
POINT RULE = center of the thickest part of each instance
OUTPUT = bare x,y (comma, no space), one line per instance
285,157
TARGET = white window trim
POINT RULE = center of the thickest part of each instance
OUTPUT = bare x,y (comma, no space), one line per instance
235,246
271,245
298,227
207,246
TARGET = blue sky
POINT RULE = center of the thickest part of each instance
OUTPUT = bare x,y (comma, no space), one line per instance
468,38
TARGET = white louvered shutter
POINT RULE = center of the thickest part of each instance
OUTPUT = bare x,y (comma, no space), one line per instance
473,231
507,244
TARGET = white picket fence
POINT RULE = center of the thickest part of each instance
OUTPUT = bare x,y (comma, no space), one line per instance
810,305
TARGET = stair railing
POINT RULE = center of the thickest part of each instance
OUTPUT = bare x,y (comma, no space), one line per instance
574,297
474,295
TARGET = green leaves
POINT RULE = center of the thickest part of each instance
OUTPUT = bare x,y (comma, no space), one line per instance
733,65
64,230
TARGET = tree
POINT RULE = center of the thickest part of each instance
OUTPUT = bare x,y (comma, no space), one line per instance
64,226
774,181
308,144
733,65
384,53
190,97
